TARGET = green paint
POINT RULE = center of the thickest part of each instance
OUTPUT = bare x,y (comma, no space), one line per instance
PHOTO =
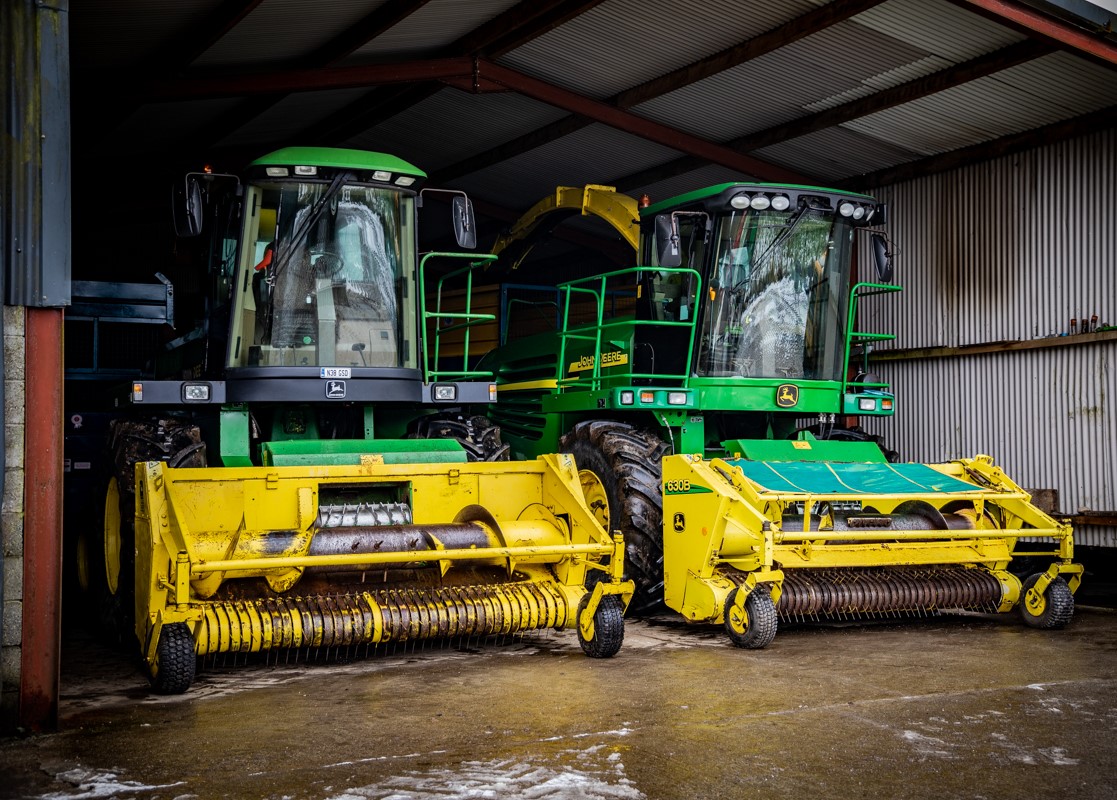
339,158
807,449
234,436
330,452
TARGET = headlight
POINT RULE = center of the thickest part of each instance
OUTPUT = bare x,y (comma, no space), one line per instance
306,170
781,202
846,209
760,202
628,398
195,392
381,175
859,212
676,398
867,403
740,201
445,392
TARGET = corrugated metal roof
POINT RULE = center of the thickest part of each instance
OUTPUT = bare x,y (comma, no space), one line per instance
622,43
432,27
835,154
617,45
776,87
1017,99
591,155
113,33
939,27
287,118
279,31
452,125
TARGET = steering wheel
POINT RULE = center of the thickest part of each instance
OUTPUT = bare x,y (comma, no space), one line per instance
328,262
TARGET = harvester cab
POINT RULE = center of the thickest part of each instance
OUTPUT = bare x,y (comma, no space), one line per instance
300,475
708,388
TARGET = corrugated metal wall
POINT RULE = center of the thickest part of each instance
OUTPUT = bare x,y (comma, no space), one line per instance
1010,250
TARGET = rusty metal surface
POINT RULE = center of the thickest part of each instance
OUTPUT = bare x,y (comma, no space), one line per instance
890,592
42,545
379,616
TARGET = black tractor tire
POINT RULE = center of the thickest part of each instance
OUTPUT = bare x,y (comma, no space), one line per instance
1058,606
758,631
628,463
608,627
176,442
175,662
477,434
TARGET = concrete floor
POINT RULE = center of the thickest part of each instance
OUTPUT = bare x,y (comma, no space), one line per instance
972,707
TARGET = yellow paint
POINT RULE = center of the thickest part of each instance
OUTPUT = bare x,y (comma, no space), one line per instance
739,530
613,358
199,529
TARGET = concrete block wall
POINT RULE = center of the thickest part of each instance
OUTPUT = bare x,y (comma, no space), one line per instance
11,516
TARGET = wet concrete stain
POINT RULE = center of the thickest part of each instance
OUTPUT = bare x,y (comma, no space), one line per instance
969,707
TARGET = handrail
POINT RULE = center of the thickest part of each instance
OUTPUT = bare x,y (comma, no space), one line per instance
859,290
599,293
468,318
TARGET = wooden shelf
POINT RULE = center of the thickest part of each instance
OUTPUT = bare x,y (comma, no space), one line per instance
916,353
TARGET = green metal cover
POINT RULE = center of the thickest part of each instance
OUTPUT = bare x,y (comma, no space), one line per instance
332,452
807,449
862,479
339,158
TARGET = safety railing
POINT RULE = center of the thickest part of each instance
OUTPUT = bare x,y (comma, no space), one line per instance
463,320
595,288
854,337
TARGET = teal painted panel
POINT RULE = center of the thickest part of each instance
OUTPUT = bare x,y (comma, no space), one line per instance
823,478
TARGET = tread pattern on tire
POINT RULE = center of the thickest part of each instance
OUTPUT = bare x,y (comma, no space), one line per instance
176,441
174,670
763,619
628,462
477,434
1059,608
608,627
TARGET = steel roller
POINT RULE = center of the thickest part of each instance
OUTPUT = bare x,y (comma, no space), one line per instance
378,617
856,593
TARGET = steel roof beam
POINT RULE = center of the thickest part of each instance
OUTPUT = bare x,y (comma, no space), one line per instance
516,26
379,21
637,126
372,25
476,70
802,26
944,79
1024,18
184,49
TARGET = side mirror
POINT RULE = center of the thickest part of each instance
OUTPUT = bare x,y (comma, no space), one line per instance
667,249
882,258
186,207
465,223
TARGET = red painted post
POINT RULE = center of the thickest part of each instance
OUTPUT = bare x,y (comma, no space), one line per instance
42,528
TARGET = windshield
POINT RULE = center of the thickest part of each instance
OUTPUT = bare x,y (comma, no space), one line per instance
328,277
777,296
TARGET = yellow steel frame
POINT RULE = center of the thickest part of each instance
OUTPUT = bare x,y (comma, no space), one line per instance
619,210
196,528
716,518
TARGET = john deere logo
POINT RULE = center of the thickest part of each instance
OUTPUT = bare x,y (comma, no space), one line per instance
787,395
679,522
